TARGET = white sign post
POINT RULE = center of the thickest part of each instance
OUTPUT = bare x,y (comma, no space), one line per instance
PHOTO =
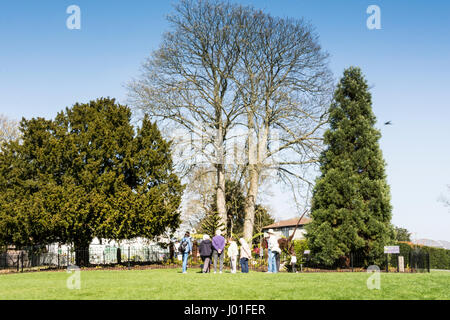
391,249
401,264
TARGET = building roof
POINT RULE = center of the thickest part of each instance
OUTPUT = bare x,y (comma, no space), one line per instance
287,223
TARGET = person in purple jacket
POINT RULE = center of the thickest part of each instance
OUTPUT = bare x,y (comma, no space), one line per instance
218,244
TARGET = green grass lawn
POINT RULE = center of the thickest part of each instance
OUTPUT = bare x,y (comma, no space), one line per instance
171,284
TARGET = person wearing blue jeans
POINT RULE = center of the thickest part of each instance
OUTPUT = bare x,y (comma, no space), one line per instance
274,251
276,261
185,249
244,265
245,255
269,261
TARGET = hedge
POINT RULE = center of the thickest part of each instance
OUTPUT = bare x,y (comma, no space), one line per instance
439,257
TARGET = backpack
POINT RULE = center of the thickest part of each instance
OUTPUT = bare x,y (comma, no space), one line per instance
183,245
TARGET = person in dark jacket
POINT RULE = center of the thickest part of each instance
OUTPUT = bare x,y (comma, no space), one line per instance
205,250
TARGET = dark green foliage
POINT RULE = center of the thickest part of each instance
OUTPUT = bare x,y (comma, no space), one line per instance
351,209
262,219
235,203
439,257
87,174
300,246
211,223
402,234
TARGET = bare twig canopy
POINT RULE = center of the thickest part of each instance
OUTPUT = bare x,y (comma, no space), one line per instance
225,67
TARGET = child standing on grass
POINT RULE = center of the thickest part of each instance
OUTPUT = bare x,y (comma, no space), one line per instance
233,253
293,260
245,255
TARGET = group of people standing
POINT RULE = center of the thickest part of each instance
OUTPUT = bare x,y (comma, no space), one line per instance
214,249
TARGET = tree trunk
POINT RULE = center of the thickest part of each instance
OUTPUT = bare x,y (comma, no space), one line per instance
82,254
172,252
119,255
250,203
195,251
255,156
220,192
229,225
220,167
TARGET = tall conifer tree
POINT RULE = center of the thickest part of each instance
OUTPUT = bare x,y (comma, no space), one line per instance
351,209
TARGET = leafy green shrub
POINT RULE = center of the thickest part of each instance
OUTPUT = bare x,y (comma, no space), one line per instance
439,257
405,249
197,236
299,247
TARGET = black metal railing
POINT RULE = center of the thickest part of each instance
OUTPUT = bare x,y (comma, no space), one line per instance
25,260
20,260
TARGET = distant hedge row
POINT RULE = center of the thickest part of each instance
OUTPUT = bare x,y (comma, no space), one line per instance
439,258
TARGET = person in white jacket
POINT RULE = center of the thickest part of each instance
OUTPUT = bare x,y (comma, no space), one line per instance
274,248
233,253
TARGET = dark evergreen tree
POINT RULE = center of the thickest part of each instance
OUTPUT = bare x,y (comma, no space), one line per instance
87,174
211,223
351,209
235,204
262,218
402,234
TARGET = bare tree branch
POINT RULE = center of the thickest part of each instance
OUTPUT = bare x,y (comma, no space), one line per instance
9,129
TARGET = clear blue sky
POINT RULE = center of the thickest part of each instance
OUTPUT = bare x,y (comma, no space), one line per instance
45,67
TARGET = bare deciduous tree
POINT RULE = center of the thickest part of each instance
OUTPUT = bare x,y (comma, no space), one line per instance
446,200
9,129
284,84
223,67
199,195
187,81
